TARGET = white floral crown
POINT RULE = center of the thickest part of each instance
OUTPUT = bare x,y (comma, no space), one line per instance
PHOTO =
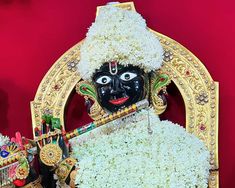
122,36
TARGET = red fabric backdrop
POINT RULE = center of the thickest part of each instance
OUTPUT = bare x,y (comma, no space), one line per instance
33,34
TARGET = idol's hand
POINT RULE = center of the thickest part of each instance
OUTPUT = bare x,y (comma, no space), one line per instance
52,148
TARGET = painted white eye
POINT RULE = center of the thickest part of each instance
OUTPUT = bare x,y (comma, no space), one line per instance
126,76
103,80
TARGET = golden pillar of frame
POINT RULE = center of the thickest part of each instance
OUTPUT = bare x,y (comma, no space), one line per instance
198,89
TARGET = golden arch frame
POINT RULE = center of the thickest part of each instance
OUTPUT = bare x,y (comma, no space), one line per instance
199,91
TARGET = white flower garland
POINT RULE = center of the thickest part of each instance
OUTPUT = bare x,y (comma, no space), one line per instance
129,157
119,35
3,140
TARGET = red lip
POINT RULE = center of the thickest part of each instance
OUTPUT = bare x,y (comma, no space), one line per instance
119,101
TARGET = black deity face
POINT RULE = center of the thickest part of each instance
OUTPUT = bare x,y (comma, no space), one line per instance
118,86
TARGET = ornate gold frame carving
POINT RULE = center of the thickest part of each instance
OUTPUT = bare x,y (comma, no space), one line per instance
199,91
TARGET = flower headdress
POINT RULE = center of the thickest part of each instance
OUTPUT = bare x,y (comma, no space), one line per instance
122,36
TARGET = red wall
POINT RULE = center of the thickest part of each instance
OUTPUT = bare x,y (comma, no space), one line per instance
33,34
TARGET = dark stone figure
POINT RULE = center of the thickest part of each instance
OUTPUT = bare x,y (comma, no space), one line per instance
119,86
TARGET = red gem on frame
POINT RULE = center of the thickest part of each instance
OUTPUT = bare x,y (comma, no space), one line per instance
202,127
187,73
162,79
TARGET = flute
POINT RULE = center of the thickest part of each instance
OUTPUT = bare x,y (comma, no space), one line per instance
116,115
